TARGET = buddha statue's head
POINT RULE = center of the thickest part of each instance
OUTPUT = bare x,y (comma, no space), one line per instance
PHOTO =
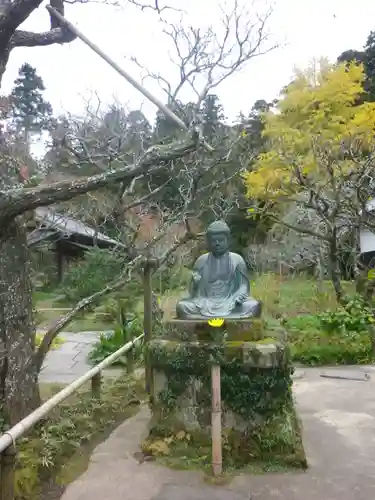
218,235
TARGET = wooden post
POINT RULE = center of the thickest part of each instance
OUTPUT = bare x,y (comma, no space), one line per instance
59,263
147,322
8,462
217,460
130,360
96,383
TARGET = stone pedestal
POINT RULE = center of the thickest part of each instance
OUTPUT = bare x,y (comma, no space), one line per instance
257,407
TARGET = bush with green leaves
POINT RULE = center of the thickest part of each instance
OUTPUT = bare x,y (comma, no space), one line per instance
341,336
356,315
91,274
128,328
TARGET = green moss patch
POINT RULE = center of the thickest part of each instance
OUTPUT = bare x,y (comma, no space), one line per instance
274,446
58,450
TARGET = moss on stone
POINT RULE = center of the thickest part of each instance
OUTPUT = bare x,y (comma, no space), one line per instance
276,445
240,329
258,416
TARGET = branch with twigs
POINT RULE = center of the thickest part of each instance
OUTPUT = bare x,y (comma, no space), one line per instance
14,202
204,59
83,304
155,6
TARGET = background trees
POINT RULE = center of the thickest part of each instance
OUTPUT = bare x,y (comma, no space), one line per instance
316,175
367,58
29,110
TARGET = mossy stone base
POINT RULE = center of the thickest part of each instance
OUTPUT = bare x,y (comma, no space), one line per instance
249,329
257,405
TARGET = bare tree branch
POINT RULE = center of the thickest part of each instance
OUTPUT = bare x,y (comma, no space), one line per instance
17,201
20,38
83,304
204,59
156,6
15,14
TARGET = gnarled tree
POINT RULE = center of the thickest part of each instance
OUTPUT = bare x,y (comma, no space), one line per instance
18,364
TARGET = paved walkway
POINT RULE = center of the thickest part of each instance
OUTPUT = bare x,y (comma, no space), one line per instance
338,418
68,361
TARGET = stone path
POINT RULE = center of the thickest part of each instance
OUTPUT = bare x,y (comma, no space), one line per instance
338,418
68,361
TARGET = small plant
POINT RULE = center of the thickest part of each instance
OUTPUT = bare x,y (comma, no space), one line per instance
354,316
128,328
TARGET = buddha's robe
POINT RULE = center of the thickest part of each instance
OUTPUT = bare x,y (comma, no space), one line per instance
222,280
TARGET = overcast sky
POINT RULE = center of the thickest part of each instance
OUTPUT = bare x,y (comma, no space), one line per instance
305,29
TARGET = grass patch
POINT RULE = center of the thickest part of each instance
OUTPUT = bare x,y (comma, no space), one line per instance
50,453
313,346
295,296
297,303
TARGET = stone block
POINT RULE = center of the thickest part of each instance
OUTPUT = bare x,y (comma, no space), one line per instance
181,370
248,329
256,381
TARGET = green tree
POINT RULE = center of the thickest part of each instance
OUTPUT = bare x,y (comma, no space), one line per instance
165,128
213,117
30,112
369,64
367,58
249,145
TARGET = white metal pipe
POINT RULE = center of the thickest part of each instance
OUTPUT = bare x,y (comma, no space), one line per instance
116,67
9,437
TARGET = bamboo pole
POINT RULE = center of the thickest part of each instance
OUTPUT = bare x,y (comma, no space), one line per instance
117,68
10,436
123,73
217,459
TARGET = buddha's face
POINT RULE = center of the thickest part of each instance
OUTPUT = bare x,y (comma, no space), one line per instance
218,243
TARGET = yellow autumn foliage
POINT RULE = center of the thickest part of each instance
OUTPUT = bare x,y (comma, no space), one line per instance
316,116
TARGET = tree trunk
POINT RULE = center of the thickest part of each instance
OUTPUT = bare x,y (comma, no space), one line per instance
4,58
333,264
19,392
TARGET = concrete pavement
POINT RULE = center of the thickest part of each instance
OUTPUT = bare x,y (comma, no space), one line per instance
338,419
69,361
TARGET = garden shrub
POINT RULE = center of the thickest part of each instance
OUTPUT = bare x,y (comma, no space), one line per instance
341,336
355,315
92,274
128,328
